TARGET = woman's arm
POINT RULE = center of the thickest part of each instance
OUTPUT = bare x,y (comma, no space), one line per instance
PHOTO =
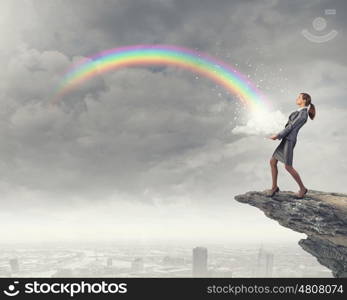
299,120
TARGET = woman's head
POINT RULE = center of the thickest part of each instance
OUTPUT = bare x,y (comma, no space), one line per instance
304,99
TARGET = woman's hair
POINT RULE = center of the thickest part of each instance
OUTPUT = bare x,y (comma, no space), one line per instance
312,110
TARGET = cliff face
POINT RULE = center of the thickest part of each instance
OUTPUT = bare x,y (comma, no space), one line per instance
321,216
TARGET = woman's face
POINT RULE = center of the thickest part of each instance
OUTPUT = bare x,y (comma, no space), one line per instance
299,100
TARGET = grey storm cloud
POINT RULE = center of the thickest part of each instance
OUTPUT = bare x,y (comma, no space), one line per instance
140,129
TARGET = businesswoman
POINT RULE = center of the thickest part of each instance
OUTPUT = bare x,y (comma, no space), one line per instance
284,151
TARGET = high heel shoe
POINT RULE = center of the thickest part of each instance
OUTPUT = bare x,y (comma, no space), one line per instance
273,192
298,196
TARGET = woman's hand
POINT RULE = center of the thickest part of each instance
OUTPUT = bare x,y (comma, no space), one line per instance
273,137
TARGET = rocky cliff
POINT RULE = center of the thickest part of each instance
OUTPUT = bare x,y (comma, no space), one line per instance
321,216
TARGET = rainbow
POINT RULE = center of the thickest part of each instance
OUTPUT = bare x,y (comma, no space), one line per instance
148,55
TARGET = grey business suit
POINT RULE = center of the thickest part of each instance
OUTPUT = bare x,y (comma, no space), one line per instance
284,151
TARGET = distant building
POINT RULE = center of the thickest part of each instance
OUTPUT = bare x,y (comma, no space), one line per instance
220,272
137,265
200,262
269,263
173,261
264,266
5,271
109,262
14,263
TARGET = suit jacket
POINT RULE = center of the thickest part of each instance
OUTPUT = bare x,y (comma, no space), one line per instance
296,120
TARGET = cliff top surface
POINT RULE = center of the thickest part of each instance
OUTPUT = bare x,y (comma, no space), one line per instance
320,214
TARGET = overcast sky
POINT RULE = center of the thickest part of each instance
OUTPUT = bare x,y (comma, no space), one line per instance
147,153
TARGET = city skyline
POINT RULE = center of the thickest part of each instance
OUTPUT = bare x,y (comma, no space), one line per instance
158,260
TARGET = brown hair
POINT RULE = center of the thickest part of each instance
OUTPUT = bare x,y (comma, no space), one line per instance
312,110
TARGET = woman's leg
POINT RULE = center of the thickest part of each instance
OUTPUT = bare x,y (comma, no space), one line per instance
274,172
296,176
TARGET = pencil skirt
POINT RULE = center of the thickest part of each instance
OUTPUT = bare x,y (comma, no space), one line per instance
284,151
